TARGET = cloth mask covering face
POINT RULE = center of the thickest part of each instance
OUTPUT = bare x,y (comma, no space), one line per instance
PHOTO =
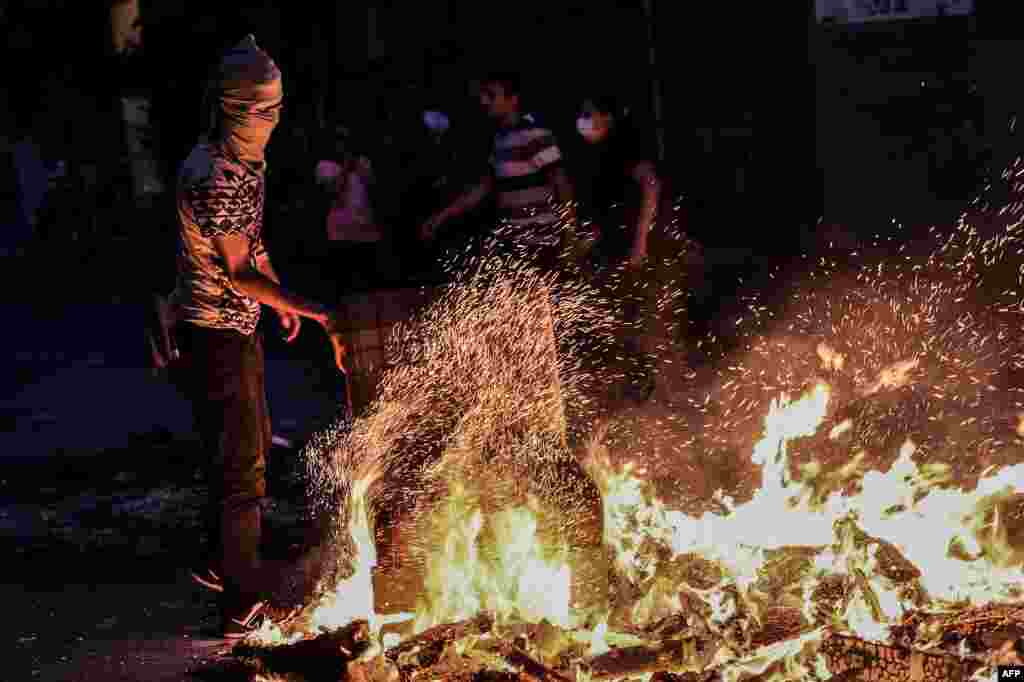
250,100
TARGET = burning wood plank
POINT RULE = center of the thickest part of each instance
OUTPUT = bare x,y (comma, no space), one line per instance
982,628
709,676
327,654
473,651
531,670
779,624
426,648
848,655
683,655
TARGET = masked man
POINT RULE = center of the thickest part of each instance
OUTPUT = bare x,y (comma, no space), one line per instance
205,333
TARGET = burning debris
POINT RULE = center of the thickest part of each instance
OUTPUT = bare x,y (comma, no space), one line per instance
482,650
874,548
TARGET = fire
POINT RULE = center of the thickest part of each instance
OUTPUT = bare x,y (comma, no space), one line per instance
353,598
891,508
507,573
496,561
850,549
599,639
769,520
905,507
475,399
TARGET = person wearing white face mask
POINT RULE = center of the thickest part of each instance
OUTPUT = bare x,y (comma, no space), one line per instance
622,187
619,191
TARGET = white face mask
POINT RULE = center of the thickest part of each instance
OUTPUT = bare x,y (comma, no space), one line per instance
585,126
435,121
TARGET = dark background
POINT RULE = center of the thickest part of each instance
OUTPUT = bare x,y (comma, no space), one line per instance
761,107
780,133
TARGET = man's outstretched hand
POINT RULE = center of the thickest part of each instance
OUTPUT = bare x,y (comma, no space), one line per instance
160,333
290,325
334,336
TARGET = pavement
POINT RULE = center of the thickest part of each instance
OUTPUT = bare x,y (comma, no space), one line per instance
110,631
96,554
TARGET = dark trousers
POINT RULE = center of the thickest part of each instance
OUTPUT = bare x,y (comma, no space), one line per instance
221,372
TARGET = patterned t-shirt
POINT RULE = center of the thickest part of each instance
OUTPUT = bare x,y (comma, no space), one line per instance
217,196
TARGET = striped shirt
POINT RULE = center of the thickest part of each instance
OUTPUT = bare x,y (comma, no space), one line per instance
523,155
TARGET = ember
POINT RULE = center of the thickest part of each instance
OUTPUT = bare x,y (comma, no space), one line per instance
870,550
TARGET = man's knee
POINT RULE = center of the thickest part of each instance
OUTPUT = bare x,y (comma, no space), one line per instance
243,446
243,472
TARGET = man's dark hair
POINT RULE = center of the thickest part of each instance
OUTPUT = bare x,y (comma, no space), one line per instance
510,81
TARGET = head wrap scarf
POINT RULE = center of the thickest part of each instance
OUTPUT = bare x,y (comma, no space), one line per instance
250,95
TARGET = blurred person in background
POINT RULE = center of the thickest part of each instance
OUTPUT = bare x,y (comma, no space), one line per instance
360,255
619,190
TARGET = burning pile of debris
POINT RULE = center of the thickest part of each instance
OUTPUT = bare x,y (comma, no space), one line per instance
682,606
481,649
887,564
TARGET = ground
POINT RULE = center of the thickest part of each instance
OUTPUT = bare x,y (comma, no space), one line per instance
99,547
83,631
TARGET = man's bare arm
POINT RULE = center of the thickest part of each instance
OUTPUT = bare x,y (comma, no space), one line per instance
467,201
559,180
248,279
291,323
650,185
